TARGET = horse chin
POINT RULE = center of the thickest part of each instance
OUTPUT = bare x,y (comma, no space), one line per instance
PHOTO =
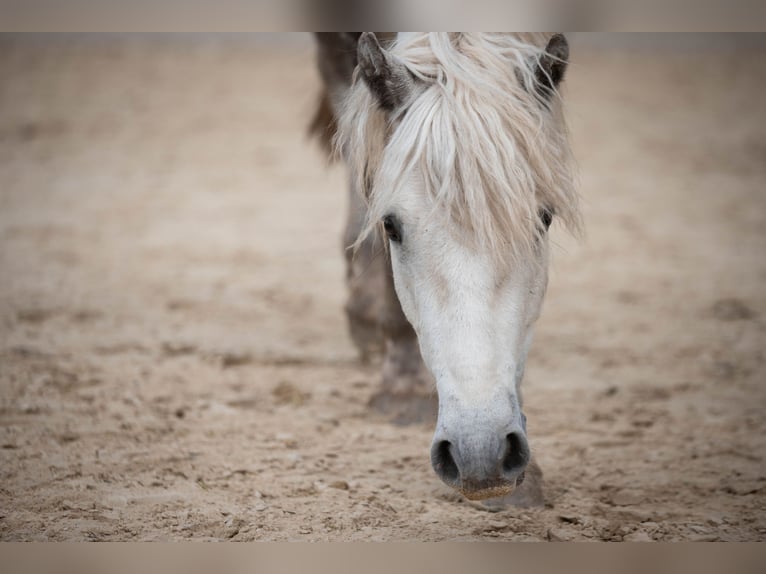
489,492
492,490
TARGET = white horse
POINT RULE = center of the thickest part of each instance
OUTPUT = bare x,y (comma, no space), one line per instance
458,148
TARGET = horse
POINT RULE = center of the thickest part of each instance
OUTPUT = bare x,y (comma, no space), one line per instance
459,162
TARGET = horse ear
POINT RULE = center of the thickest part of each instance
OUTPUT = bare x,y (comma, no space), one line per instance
552,65
387,77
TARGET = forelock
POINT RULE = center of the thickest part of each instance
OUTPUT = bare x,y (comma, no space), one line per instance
489,151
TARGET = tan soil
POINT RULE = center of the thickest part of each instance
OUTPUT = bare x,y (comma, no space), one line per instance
174,360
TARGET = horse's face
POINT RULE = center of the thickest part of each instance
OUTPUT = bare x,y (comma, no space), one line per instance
474,323
473,309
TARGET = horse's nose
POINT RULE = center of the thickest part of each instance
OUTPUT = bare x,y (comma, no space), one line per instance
481,467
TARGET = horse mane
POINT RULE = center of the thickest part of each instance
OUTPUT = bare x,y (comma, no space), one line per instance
490,148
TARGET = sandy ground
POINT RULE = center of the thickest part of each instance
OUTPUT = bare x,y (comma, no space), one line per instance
174,361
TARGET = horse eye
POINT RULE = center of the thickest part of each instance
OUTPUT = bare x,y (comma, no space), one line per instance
392,228
547,218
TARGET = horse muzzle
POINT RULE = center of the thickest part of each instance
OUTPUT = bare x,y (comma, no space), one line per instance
481,465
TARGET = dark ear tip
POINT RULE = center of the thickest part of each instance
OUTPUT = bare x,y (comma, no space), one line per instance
367,41
552,65
558,46
368,52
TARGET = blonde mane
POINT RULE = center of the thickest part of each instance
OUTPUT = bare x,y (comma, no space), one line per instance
491,150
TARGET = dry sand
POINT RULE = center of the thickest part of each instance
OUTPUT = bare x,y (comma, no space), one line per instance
174,361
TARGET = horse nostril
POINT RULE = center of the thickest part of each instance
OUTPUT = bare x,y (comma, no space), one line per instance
444,463
516,454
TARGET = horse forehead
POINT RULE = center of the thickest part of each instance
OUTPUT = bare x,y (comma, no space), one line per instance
449,258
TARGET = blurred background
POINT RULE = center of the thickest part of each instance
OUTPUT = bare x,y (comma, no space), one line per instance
174,360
